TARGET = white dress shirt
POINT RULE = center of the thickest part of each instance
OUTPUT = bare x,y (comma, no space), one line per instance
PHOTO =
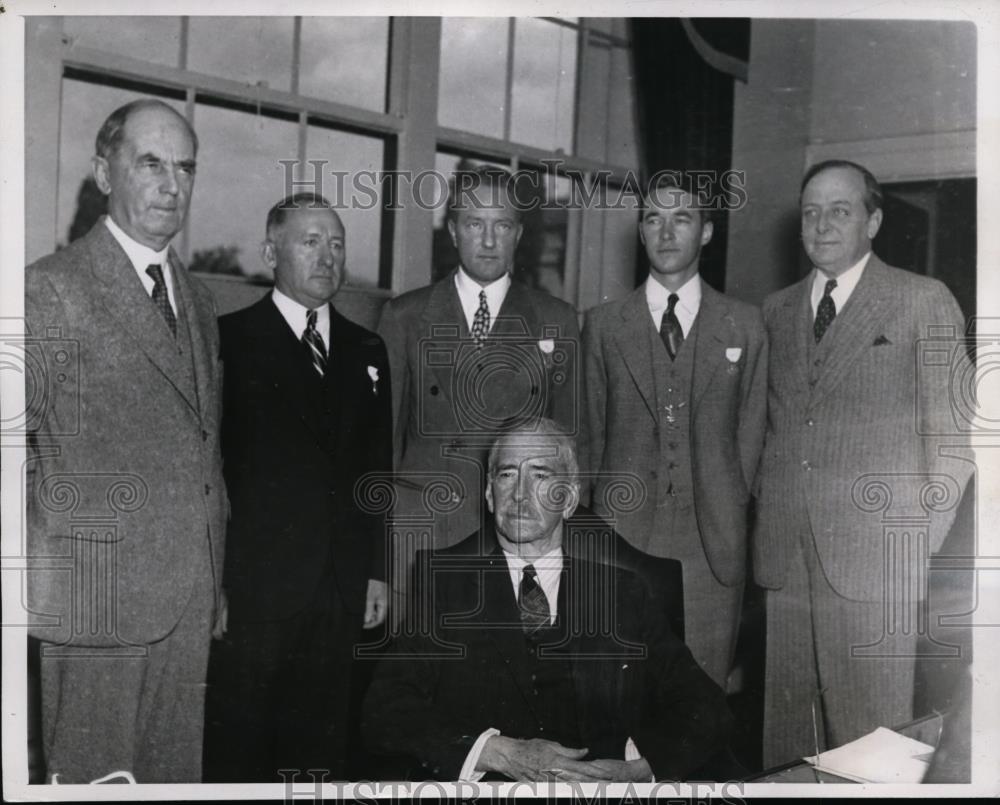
688,302
549,570
846,282
142,257
295,315
468,294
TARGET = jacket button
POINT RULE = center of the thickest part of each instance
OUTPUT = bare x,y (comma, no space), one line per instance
208,489
204,435
810,422
806,466
434,391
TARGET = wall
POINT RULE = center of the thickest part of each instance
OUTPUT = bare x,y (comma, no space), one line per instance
898,96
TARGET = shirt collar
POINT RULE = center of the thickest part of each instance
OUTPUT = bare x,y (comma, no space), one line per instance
688,295
140,255
295,313
468,290
846,281
551,560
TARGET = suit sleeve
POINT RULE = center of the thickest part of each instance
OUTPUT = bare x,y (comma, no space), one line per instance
939,414
595,388
566,405
399,719
685,719
753,401
393,334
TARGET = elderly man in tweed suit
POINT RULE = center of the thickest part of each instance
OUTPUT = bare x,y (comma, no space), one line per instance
851,411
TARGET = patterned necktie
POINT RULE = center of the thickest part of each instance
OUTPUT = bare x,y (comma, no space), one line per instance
312,339
826,312
670,329
160,297
481,322
532,602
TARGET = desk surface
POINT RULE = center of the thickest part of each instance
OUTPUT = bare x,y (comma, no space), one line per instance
926,729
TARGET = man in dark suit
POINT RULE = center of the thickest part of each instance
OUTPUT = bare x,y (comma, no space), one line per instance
125,499
306,415
859,481
531,662
675,378
468,354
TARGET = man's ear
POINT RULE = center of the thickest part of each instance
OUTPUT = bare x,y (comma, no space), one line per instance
268,255
707,229
572,499
874,222
102,174
451,231
489,495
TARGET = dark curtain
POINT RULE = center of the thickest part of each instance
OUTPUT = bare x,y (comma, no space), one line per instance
685,106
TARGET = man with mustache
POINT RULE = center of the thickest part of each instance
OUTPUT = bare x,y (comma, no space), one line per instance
532,661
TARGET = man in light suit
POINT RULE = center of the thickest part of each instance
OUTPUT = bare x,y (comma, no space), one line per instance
307,413
126,502
470,354
856,430
534,659
675,378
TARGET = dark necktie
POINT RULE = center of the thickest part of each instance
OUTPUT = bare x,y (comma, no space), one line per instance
312,339
160,297
670,329
532,602
481,322
826,312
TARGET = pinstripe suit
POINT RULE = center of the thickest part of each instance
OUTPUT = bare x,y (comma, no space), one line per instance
851,447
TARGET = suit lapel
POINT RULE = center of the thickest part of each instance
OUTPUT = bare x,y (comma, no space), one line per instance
856,326
635,344
790,331
202,359
126,300
714,327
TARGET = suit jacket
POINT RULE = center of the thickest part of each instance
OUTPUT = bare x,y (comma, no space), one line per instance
124,467
464,669
295,445
876,407
449,399
727,416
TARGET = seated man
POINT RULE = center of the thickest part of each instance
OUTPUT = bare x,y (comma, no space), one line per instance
529,663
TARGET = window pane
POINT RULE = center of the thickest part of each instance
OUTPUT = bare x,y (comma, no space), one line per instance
85,107
544,88
445,256
345,59
473,79
591,138
622,144
357,196
239,179
154,39
621,240
247,49
541,255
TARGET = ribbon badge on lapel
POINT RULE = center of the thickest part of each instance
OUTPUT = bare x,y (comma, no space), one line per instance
547,346
373,374
733,355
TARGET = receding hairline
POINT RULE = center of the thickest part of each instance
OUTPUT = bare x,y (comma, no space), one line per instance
114,128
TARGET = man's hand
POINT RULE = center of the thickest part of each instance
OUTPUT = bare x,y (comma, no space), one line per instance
535,760
376,603
221,617
614,771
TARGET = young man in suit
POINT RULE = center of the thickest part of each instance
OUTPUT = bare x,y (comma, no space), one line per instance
675,379
468,354
533,661
125,501
856,428
306,414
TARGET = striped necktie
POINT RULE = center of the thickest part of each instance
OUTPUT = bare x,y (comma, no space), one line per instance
160,297
312,339
826,311
531,601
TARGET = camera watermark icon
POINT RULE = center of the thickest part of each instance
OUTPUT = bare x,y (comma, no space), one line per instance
511,379
968,365
50,368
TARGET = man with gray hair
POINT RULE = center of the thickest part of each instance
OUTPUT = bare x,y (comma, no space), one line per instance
530,662
126,504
